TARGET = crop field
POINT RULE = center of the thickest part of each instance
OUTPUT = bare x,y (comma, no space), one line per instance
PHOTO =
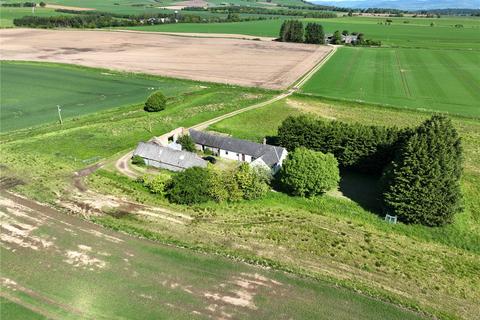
445,81
266,64
77,90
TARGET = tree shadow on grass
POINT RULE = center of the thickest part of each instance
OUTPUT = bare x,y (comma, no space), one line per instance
362,189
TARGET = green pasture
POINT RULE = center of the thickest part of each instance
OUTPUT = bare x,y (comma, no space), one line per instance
436,80
7,14
416,34
30,92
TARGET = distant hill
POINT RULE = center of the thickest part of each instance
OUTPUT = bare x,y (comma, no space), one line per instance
403,4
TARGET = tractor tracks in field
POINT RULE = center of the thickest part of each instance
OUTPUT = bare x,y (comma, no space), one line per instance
406,88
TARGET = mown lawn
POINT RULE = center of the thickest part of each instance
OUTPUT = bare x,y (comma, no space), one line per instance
30,92
444,81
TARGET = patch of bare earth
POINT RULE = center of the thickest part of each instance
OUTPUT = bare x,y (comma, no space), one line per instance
237,293
57,6
267,64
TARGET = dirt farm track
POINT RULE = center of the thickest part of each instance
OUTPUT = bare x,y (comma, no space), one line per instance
267,64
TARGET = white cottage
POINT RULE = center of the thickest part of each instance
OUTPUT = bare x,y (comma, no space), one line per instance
257,154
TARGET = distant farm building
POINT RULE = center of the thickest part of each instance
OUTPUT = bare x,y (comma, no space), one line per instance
164,157
345,39
256,154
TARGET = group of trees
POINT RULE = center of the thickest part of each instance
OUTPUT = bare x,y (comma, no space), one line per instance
95,19
305,173
197,185
72,21
271,11
422,184
293,31
420,167
356,146
314,33
20,4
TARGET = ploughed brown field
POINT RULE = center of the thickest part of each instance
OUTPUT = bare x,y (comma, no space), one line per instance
267,64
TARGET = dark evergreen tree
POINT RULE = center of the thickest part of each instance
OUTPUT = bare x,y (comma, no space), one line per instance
423,183
291,31
314,33
296,34
356,146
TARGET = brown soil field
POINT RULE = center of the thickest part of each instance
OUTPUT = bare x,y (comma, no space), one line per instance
56,6
267,64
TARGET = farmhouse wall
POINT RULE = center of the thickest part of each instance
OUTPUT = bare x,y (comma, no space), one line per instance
156,164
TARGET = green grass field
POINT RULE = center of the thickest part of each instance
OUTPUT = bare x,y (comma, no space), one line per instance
416,34
445,81
151,6
7,14
26,102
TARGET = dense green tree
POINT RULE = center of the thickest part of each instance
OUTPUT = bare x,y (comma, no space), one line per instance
137,160
190,186
291,31
224,187
337,37
423,183
308,173
233,17
187,143
156,183
314,33
345,32
155,102
250,182
356,146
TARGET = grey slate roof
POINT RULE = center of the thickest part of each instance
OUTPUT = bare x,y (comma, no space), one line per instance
269,154
177,158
